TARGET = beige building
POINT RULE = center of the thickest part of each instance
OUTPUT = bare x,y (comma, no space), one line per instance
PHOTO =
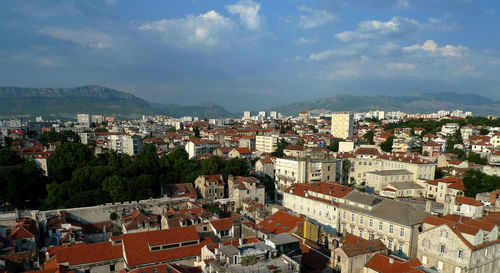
342,125
403,189
266,144
440,188
201,146
265,166
378,180
303,170
246,189
453,244
351,258
370,217
318,201
210,186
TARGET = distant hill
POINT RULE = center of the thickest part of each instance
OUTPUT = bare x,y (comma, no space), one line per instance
410,103
92,99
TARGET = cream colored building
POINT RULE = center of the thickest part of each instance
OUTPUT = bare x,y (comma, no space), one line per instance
395,223
266,144
302,170
377,180
455,245
198,147
318,201
440,188
342,124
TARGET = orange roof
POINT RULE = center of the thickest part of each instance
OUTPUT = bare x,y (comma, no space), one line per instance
84,253
25,228
294,147
367,151
381,263
327,188
468,201
169,236
222,224
280,222
456,182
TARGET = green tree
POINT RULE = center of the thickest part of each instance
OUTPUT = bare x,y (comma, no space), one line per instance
386,146
116,187
475,182
368,136
279,150
196,131
476,158
235,166
483,131
346,167
67,158
212,165
334,145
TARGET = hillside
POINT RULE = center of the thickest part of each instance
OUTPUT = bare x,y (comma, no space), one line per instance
411,103
93,99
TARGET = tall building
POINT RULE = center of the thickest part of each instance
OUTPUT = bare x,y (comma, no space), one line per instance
247,115
262,114
266,144
273,114
83,119
342,124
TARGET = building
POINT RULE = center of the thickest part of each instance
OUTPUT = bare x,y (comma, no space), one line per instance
303,170
403,189
377,180
246,189
456,244
139,221
395,223
265,166
380,263
210,186
197,147
247,115
131,145
342,125
440,188
317,201
240,153
351,258
83,119
266,144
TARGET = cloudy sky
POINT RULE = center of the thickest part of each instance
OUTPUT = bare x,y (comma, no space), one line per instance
252,54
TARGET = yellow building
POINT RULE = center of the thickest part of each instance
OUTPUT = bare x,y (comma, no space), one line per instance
342,124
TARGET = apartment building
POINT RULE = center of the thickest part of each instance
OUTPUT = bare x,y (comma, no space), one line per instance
317,201
455,244
266,144
302,170
194,148
127,144
370,217
342,125
210,186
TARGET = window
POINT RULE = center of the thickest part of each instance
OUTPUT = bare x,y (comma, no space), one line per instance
352,230
370,222
444,233
440,265
344,214
389,244
458,270
426,244
391,229
380,226
424,259
361,234
485,252
442,249
402,232
361,220
400,247
369,236
460,254
112,267
352,217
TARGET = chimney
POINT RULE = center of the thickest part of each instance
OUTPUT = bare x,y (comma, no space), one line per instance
240,241
391,260
447,201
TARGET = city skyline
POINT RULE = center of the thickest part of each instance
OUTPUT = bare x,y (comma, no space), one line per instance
252,54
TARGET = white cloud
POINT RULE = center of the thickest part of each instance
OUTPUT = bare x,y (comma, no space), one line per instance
400,66
304,41
374,29
84,37
432,47
207,29
322,55
314,18
248,12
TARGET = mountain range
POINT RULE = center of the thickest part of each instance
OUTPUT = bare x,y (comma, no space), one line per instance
410,103
66,102
92,99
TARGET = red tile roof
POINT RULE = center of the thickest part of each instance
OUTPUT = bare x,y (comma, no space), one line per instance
280,222
468,201
25,228
381,263
88,253
222,224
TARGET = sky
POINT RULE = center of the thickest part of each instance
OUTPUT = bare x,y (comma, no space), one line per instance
251,55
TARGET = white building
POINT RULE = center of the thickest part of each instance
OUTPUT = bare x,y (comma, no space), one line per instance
202,146
131,145
83,119
342,124
247,115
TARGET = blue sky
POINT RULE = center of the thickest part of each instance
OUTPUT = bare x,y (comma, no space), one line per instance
253,54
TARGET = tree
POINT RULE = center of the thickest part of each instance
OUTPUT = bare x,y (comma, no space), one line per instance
346,167
334,145
235,166
475,182
368,136
212,165
476,158
196,131
67,158
269,185
64,136
483,131
386,146
279,150
116,187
